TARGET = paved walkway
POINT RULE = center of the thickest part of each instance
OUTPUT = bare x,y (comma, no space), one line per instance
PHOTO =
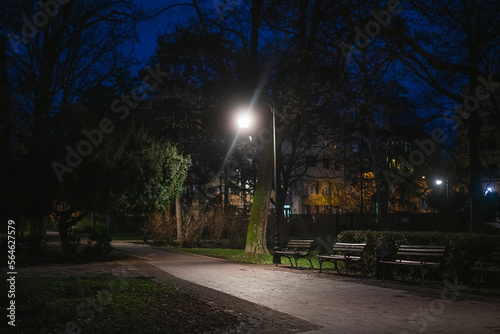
336,306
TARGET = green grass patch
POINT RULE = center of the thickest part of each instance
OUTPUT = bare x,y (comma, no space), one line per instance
239,255
109,304
236,255
54,255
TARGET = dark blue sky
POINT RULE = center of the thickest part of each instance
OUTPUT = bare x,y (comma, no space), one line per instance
149,30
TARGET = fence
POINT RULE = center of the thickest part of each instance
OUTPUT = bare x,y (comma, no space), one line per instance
314,226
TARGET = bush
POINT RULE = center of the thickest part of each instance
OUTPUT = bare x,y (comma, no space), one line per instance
229,223
85,225
211,223
74,239
99,243
220,224
463,250
192,228
160,227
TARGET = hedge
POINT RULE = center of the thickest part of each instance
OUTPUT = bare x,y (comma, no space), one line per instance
463,250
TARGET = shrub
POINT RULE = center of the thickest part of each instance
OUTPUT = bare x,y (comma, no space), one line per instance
228,223
192,228
160,227
73,239
210,223
99,243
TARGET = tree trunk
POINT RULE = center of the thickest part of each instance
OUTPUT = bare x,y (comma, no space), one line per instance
178,219
94,223
475,187
5,111
256,235
381,187
66,243
381,202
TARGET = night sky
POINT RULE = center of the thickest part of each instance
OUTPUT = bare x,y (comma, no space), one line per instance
149,30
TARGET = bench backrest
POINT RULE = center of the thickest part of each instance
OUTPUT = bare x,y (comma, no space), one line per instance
348,248
300,244
421,252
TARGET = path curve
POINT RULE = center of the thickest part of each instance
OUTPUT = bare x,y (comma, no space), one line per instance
336,306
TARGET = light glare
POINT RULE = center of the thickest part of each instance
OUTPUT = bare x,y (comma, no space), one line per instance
244,121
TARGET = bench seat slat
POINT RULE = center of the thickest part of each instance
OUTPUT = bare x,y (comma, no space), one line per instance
284,252
339,257
420,254
412,263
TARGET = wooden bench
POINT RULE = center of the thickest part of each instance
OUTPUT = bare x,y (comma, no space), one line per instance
482,268
425,257
346,252
297,249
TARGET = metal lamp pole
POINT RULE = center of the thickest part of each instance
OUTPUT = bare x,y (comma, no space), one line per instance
447,197
276,259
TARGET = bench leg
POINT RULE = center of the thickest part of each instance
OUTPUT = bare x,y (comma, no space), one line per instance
424,271
478,281
310,263
289,259
320,264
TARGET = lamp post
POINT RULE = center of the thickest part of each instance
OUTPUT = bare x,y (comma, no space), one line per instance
244,121
440,182
276,259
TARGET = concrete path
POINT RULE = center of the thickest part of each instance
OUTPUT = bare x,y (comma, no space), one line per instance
336,306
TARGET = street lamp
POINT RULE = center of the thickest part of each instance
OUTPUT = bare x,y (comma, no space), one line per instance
440,182
244,121
276,258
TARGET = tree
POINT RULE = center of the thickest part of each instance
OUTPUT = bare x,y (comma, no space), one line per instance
51,55
210,65
129,172
469,29
233,58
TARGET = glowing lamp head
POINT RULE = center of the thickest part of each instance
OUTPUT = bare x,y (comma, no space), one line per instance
244,120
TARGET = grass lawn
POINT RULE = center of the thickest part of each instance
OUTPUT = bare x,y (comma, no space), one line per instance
54,255
239,255
236,255
108,304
